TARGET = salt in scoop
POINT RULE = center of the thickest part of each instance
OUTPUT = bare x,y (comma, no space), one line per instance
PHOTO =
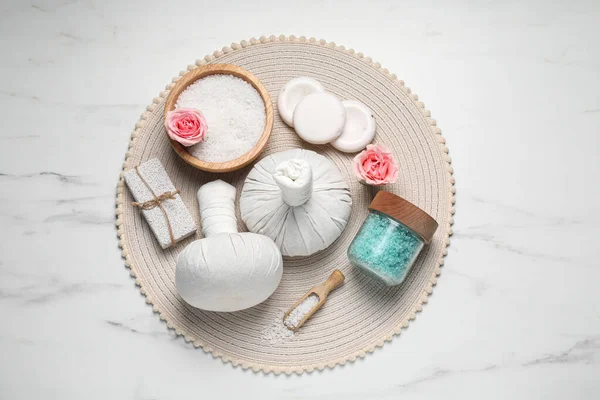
308,304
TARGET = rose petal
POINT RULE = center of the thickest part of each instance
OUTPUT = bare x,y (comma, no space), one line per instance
186,126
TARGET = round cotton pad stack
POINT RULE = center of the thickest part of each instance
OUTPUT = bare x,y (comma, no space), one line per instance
359,129
291,94
319,118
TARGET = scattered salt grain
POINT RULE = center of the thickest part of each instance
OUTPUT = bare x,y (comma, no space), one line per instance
235,114
276,332
303,309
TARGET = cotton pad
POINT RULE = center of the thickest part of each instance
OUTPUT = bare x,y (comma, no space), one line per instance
359,128
319,118
292,92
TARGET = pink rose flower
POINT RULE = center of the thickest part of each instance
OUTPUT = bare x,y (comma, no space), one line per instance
186,126
375,166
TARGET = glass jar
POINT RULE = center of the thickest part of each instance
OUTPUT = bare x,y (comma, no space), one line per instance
391,238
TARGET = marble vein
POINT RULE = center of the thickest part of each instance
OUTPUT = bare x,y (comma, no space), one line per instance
81,217
70,179
155,333
48,291
501,245
583,351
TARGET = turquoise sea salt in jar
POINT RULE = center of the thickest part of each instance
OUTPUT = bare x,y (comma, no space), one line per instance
391,238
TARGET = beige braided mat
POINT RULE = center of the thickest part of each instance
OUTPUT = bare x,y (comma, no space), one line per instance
362,314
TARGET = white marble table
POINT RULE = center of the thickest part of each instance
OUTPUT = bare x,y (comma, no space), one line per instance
515,88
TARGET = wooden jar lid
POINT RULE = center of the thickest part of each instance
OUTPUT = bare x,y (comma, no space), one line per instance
405,212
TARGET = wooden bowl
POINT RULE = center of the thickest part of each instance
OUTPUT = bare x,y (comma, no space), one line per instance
226,69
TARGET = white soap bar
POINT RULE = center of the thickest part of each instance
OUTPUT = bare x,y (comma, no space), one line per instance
181,221
319,118
359,128
291,94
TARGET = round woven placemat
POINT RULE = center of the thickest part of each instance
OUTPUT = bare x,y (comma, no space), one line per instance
361,315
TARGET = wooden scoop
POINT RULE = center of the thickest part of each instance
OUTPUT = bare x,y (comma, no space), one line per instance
334,281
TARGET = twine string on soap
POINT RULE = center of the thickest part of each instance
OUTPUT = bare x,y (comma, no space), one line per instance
156,202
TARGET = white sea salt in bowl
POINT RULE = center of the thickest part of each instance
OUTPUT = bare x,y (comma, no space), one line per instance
238,111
